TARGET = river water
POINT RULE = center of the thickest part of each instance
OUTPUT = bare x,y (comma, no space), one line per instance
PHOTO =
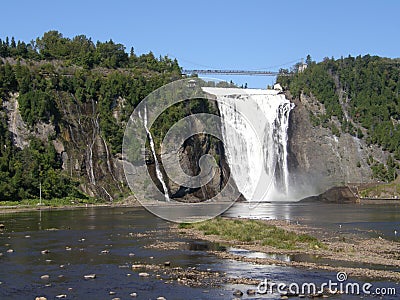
102,241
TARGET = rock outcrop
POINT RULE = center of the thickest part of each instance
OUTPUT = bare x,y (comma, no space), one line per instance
318,159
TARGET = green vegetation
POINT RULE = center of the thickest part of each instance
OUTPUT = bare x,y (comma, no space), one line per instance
255,232
359,93
387,190
54,202
55,75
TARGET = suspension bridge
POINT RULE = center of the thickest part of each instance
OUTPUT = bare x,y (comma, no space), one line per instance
233,72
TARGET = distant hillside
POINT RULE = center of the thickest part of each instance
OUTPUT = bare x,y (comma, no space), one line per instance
356,97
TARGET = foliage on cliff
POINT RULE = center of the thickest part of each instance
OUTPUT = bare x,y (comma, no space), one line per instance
53,72
361,94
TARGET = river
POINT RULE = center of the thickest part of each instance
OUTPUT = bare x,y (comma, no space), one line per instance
107,241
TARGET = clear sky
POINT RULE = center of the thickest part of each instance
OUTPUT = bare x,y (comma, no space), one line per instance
219,34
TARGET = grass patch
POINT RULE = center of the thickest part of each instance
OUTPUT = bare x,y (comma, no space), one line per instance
254,231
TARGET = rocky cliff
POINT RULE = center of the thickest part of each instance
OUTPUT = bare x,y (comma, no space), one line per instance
319,159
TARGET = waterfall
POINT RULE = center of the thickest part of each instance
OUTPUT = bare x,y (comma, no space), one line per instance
153,151
254,126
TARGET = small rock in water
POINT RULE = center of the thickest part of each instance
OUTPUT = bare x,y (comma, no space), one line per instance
238,293
133,294
90,276
2,226
131,254
161,298
40,298
105,251
45,251
251,292
70,289
10,251
1,254
27,236
61,296
45,277
129,274
167,263
112,293
151,257
144,274
68,248
48,260
137,266
283,297
115,299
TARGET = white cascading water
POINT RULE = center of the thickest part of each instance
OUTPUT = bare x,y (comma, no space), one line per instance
254,127
153,151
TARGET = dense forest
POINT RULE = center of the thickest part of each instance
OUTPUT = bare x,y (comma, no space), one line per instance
360,96
46,75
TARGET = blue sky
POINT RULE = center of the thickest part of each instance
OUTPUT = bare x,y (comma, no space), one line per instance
219,34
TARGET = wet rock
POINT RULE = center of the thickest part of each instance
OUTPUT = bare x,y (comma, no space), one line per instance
45,251
112,293
68,248
105,251
251,292
131,254
2,226
115,299
27,236
10,251
238,293
45,277
133,295
1,254
144,274
61,296
90,276
40,298
48,261
284,297
138,266
161,298
167,263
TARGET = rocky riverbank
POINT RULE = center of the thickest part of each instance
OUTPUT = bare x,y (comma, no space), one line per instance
356,255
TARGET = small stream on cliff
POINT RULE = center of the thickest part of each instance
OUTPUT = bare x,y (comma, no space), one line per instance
108,241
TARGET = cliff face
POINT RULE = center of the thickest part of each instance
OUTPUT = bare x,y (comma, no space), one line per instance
318,159
87,157
84,153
